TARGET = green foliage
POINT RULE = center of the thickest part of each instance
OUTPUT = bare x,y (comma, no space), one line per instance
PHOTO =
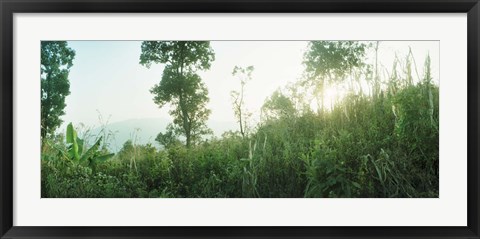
278,106
169,138
334,59
181,86
332,62
56,61
76,150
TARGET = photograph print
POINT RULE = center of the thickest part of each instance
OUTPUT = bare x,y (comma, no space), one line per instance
239,119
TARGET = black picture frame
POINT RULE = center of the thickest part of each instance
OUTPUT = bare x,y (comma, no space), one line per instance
9,7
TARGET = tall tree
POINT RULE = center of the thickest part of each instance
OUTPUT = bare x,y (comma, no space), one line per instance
180,85
245,75
332,61
56,61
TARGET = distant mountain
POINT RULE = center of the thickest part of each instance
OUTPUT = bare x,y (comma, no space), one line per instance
145,130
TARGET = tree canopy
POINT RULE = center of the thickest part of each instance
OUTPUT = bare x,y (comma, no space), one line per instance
331,62
56,61
278,106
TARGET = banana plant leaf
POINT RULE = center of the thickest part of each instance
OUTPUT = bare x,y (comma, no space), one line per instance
92,150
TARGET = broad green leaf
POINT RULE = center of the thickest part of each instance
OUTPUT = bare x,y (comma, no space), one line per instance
71,138
92,150
70,134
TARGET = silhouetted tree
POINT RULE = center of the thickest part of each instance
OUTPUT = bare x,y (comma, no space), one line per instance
181,86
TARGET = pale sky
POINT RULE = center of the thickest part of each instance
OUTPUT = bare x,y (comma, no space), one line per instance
107,78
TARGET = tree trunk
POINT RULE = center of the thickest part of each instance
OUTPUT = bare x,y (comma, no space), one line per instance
186,123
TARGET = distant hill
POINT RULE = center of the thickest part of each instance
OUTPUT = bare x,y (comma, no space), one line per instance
147,129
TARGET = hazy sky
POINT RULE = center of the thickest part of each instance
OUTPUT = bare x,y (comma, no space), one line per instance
107,78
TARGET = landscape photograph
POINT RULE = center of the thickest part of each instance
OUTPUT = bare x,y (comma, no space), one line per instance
239,119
